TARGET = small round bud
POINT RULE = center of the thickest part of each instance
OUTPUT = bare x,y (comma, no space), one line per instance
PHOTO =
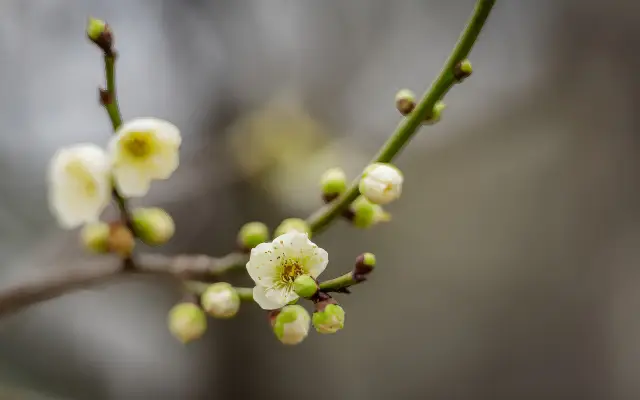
252,234
437,113
291,324
462,70
405,101
366,214
154,226
365,263
381,183
187,322
293,224
329,317
333,183
95,237
121,240
220,300
95,28
305,286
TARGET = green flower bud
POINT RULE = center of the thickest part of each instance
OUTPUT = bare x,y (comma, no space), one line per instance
291,324
367,214
437,113
305,286
293,224
154,226
95,237
333,183
220,300
328,318
95,28
405,101
365,263
252,234
462,70
187,322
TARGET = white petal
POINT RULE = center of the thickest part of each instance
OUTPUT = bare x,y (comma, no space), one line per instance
260,297
262,264
294,244
165,163
131,181
166,131
317,263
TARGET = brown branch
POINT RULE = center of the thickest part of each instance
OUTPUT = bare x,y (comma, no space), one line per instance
179,267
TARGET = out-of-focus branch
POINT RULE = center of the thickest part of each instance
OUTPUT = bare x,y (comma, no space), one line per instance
60,282
409,126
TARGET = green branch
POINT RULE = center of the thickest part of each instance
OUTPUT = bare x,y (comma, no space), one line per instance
409,126
339,284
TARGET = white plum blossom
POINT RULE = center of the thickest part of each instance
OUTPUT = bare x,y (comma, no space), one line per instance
143,149
381,183
79,184
274,266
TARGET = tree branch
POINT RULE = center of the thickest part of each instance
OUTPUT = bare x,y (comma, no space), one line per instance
106,270
409,126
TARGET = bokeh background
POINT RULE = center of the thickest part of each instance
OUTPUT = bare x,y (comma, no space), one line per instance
510,270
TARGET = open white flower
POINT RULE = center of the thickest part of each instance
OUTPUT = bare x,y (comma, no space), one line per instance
381,183
142,150
275,266
79,184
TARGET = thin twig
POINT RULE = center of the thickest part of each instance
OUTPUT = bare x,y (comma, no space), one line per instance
107,269
409,126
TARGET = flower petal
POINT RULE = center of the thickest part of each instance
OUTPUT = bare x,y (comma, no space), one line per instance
131,181
260,297
317,262
262,264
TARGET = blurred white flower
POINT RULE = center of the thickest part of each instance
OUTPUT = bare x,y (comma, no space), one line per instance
381,183
142,150
220,300
79,184
275,266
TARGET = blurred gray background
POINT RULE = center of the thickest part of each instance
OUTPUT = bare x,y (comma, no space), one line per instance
510,270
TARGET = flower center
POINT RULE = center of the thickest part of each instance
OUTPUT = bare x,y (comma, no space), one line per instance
291,269
83,178
138,144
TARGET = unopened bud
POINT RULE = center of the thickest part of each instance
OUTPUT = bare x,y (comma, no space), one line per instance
462,70
291,324
95,237
252,234
405,101
364,265
381,183
333,183
154,226
221,300
99,33
292,224
366,214
328,317
187,322
121,240
305,286
436,115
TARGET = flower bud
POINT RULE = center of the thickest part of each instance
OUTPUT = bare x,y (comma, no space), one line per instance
437,113
333,183
405,101
291,324
220,300
293,224
366,214
462,70
364,264
187,322
154,226
305,286
121,240
95,237
99,33
328,317
381,183
252,234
